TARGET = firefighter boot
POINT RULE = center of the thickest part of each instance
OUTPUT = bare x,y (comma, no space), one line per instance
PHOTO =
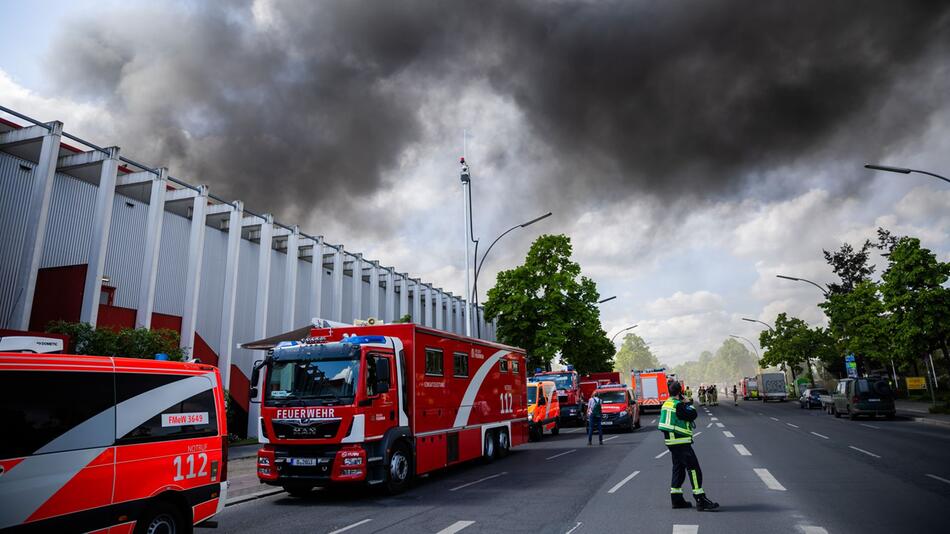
703,504
679,501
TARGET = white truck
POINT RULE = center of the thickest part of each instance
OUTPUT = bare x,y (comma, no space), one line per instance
772,387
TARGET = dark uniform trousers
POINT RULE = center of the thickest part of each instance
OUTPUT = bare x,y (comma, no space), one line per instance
685,462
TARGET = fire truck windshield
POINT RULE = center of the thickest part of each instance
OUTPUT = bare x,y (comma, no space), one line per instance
313,375
532,395
562,381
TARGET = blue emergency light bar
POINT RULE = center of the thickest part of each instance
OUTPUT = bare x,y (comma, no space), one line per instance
359,340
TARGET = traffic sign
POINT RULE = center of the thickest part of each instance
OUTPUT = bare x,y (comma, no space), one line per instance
916,382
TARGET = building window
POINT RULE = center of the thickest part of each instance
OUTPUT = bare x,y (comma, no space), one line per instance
434,362
107,295
461,364
503,366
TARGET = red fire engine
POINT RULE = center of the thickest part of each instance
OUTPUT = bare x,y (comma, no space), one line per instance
99,444
569,393
379,404
651,388
591,381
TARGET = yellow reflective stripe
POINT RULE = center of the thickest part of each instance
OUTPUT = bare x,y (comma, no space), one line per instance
676,491
692,474
678,441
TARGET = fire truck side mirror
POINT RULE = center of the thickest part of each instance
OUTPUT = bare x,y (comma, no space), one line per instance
381,387
255,376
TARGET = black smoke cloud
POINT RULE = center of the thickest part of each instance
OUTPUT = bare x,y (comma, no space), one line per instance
312,107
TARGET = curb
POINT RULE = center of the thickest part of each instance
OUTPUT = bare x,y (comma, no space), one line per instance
253,496
929,421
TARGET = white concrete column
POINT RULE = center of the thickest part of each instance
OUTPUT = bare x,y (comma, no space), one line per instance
337,304
427,303
316,279
404,296
374,290
153,240
226,346
196,247
416,301
357,289
390,296
263,277
439,312
290,279
101,221
31,252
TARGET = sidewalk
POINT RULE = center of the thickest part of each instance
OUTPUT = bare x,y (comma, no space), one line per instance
918,411
243,484
243,451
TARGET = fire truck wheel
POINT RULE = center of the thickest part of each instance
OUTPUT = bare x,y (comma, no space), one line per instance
160,518
398,475
504,443
298,490
557,428
490,448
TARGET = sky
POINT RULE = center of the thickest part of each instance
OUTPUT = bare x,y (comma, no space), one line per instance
691,151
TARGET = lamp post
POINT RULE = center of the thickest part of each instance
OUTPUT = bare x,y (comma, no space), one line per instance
904,170
750,344
824,290
760,322
601,301
466,178
622,331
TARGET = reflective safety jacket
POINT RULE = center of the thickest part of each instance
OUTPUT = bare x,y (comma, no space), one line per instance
676,422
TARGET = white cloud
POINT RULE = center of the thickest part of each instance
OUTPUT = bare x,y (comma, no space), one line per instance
685,304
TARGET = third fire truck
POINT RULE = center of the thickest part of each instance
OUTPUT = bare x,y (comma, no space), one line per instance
569,393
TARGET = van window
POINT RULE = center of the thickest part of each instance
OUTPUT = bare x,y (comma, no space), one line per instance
434,362
39,409
863,386
188,418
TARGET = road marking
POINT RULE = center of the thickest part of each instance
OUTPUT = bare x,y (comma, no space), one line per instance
560,454
768,479
871,426
913,410
941,479
714,419
652,421
709,425
685,529
812,530
572,430
479,480
727,434
620,484
354,525
611,437
864,451
793,426
720,425
696,435
774,418
577,526
742,450
822,436
455,527
662,454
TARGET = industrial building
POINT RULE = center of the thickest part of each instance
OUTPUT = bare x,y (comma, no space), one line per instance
92,235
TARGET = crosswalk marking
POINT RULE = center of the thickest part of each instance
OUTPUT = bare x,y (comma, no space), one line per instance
620,484
685,529
769,480
348,527
455,527
742,450
727,434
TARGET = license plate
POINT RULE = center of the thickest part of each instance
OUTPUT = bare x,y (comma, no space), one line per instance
874,400
607,423
303,462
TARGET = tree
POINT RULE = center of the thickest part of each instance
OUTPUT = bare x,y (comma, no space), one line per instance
860,326
547,308
634,354
731,361
793,344
850,265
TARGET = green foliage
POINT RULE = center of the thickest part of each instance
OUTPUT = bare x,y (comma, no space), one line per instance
547,308
634,354
127,342
794,344
850,265
731,362
858,322
407,318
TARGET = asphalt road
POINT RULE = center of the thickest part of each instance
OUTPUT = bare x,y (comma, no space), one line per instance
772,467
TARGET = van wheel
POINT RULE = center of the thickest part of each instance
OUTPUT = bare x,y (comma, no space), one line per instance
851,415
504,443
399,470
557,427
298,490
160,518
490,447
836,413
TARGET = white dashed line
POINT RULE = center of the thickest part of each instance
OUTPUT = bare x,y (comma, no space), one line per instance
774,418
812,530
727,434
871,426
864,451
577,526
768,479
479,480
348,527
685,529
662,454
720,425
913,410
822,436
652,421
793,426
709,425
620,484
611,437
742,450
696,435
455,527
941,479
560,454
714,419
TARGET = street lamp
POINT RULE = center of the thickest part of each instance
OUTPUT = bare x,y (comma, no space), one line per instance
606,299
824,290
760,322
750,344
904,170
622,331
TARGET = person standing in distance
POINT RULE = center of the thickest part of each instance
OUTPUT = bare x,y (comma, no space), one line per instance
594,414
677,420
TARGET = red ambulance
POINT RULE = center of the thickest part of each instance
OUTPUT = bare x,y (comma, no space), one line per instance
381,404
100,444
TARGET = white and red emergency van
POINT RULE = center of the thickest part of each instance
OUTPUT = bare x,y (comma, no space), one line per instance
118,445
380,404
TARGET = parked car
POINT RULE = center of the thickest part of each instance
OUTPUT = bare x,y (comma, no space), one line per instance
811,398
863,396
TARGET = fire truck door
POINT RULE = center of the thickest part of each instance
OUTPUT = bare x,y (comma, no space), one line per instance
381,412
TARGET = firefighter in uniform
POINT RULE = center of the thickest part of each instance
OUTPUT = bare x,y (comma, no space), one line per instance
677,422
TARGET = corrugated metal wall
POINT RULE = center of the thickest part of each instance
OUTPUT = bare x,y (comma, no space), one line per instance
14,203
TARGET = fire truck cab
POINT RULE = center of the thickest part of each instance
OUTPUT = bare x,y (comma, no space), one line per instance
570,396
380,404
544,411
101,444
